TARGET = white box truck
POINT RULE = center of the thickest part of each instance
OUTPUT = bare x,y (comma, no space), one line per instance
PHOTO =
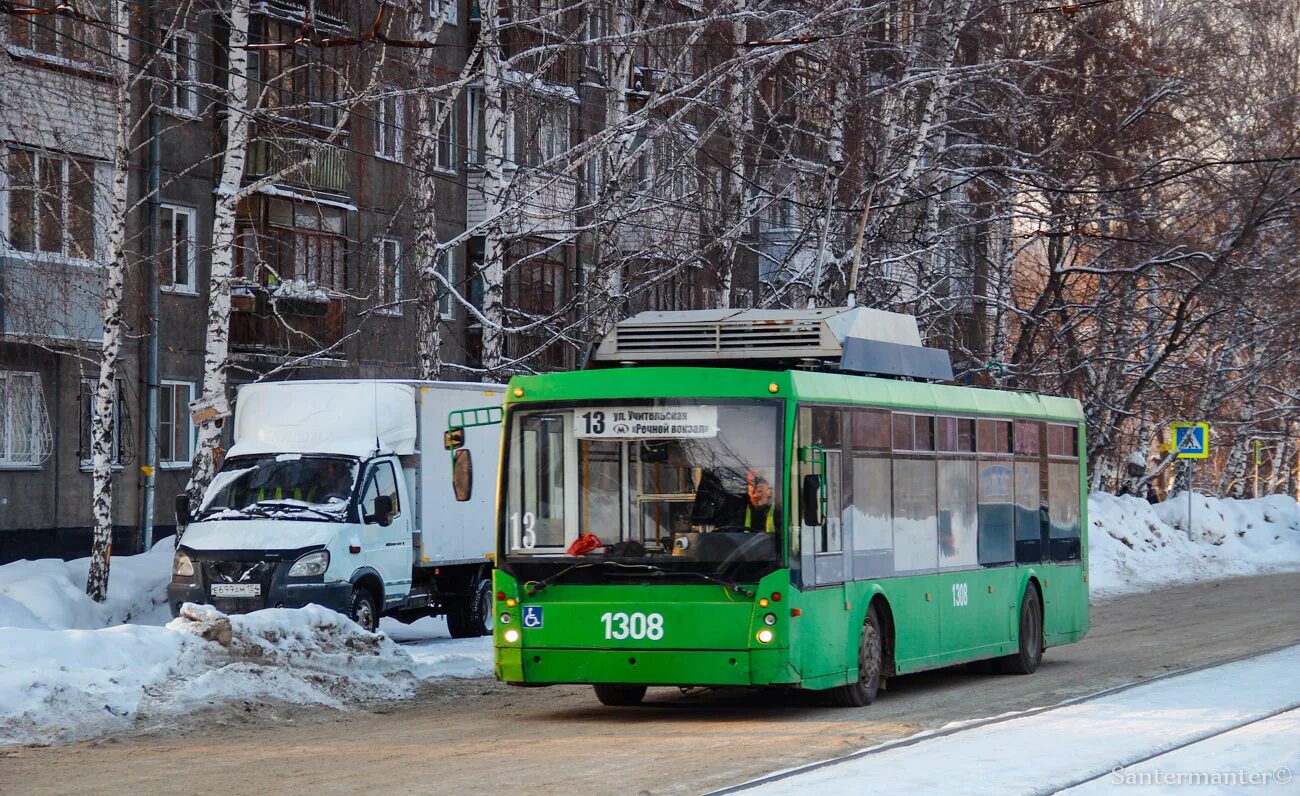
340,493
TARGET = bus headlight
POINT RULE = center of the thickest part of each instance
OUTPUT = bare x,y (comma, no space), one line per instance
769,619
182,565
504,618
511,636
764,636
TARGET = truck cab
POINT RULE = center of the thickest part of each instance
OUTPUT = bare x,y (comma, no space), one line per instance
335,493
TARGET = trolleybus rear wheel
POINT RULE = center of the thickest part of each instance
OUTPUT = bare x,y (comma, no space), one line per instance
619,695
871,655
1026,660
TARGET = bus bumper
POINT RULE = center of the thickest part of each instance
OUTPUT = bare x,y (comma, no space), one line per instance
645,667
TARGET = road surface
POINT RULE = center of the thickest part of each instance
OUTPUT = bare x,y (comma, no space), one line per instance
480,736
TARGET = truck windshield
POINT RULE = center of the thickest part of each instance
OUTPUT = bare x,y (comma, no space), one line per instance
684,486
286,484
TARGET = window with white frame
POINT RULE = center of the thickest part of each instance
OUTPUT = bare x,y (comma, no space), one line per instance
176,432
87,424
449,8
446,267
177,251
389,294
51,204
445,157
389,114
25,439
179,74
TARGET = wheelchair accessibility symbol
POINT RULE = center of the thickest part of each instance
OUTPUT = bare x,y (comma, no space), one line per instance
532,616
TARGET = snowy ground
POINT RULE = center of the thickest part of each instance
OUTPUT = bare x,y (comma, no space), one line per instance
1227,729
73,669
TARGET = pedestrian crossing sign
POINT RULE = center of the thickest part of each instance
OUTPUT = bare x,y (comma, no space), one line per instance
1192,440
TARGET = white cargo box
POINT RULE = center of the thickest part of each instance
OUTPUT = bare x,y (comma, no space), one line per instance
365,418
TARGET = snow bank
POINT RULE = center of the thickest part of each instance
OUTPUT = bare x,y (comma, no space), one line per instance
1136,546
50,594
74,684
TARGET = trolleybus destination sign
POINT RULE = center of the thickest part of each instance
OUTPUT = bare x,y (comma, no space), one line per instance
645,422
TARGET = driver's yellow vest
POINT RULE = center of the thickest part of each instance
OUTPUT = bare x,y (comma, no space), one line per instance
768,523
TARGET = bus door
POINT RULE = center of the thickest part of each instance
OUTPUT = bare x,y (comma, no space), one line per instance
823,554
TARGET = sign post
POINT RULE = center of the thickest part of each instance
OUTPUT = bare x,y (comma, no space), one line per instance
1191,441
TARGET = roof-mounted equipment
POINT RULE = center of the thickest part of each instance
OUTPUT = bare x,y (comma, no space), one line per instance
850,340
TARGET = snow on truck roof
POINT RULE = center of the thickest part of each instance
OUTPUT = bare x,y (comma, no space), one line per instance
347,417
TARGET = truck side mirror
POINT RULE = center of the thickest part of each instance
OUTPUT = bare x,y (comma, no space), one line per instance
462,474
453,439
383,510
810,500
183,516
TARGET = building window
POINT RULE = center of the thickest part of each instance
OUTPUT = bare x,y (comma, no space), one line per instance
303,82
180,74
474,152
388,126
25,439
87,424
450,9
446,267
176,251
60,36
389,294
176,432
51,204
446,140
304,244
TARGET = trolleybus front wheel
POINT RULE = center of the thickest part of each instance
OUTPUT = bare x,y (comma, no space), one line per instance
1026,660
871,655
619,695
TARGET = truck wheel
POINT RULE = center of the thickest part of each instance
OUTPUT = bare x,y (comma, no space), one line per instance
871,656
361,608
619,696
1026,660
473,617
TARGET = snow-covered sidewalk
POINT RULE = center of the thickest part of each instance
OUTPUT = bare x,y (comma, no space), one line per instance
1171,733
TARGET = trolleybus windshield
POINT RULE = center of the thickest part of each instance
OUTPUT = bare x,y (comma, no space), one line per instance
686,486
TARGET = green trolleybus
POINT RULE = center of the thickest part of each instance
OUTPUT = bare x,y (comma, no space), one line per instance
781,498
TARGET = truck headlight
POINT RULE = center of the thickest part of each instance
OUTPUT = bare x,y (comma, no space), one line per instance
182,565
310,565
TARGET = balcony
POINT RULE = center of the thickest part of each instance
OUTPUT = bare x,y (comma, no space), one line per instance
327,12
261,323
303,162
543,204
50,299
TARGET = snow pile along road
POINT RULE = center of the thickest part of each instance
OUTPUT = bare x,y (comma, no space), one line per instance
74,684
50,594
1136,546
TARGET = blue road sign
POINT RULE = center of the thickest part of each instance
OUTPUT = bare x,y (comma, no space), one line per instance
1192,440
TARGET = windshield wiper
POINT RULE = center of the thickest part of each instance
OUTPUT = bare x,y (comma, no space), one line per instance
284,504
535,586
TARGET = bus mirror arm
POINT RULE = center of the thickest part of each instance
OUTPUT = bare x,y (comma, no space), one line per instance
810,503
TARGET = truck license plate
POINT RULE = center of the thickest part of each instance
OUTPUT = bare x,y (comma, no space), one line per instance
236,590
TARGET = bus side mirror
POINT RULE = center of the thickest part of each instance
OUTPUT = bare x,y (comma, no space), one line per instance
453,439
183,516
462,474
810,500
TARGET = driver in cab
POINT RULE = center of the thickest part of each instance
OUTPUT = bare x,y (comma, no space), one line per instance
724,510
